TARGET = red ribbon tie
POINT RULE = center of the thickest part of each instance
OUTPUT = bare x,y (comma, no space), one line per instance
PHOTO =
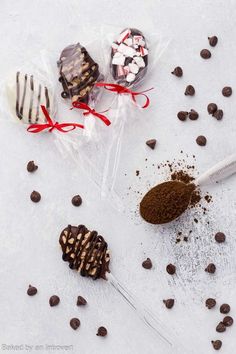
88,110
125,90
50,125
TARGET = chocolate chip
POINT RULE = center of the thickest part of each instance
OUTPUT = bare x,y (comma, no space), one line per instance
212,108
220,237
210,303
227,91
147,264
54,300
35,196
228,321
64,94
74,323
31,167
189,91
211,268
217,344
182,115
177,71
169,303
102,332
213,41
193,115
76,200
205,54
201,140
220,327
218,114
225,308
171,269
32,290
81,301
151,143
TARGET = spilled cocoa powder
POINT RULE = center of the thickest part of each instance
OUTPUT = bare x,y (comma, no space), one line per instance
166,201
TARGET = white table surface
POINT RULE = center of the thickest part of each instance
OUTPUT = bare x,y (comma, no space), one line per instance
29,252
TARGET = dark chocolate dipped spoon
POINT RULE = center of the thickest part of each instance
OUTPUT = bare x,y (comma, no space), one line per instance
87,252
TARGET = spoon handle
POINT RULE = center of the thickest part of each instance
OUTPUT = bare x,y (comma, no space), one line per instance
157,326
221,170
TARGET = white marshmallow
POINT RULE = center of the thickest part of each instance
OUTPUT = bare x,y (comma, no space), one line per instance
118,60
127,51
118,55
128,42
130,77
139,61
133,68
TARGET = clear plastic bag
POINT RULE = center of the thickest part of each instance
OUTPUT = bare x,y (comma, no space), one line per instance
126,100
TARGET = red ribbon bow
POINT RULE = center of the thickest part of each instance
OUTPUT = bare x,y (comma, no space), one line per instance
125,90
37,128
89,110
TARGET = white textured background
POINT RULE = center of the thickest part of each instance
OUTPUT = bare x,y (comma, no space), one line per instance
29,251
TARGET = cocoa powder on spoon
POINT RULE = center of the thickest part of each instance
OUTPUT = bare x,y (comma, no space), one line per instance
166,201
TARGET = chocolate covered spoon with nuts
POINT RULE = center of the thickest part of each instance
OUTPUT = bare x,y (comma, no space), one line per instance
168,200
87,253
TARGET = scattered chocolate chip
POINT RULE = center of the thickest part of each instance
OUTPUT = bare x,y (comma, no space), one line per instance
182,115
137,173
220,327
31,167
212,108
201,140
205,54
218,114
74,323
81,301
211,268
227,91
147,264
228,321
76,200
35,196
171,269
225,308
210,303
189,91
177,71
102,332
213,41
220,237
54,300
32,290
193,115
217,344
151,143
169,303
